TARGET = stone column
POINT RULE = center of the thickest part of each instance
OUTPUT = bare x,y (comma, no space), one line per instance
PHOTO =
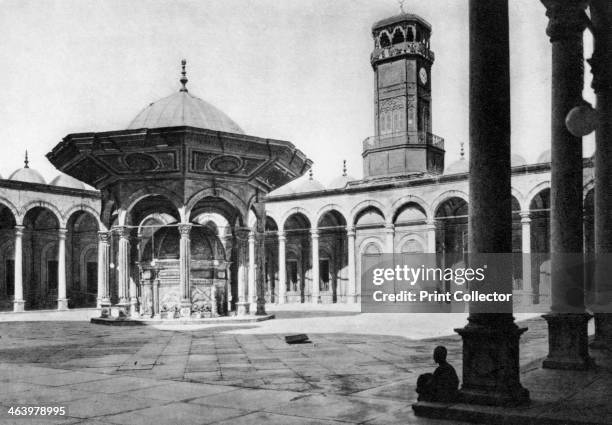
252,296
601,66
282,272
490,339
227,248
123,269
261,273
18,301
526,253
103,269
352,278
431,236
62,301
567,321
242,306
314,238
389,238
185,269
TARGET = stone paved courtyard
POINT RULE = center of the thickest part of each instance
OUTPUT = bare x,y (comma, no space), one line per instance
358,368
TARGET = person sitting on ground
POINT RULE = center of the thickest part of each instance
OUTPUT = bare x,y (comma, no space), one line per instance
443,384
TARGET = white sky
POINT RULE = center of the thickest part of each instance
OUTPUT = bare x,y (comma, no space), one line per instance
285,69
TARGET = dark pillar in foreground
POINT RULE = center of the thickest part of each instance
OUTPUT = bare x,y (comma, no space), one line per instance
490,341
601,66
567,321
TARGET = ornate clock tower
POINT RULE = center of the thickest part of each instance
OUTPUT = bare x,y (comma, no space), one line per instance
403,141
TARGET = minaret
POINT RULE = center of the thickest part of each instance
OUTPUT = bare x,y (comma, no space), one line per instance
403,142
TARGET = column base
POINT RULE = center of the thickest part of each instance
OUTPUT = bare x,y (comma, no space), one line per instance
134,307
105,309
185,309
242,309
491,365
62,304
568,341
120,310
603,331
260,309
253,308
18,305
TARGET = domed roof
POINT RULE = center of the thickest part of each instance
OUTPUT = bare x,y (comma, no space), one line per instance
544,156
309,185
459,166
28,175
341,181
517,160
65,180
181,109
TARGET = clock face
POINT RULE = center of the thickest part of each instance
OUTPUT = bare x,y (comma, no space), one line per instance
423,75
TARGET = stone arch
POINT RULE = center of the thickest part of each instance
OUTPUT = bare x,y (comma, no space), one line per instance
520,198
88,209
384,39
411,199
412,237
8,204
371,240
296,210
357,209
444,196
150,191
43,204
534,192
82,263
327,208
226,195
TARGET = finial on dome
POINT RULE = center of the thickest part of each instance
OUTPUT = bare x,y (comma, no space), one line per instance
184,79
401,5
310,174
344,167
462,151
26,161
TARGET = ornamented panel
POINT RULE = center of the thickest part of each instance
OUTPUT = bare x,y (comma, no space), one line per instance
169,299
201,300
200,159
225,164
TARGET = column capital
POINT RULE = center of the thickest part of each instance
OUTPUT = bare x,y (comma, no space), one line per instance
62,233
566,18
430,224
184,230
350,231
122,231
19,230
251,237
103,237
389,227
314,233
281,235
525,217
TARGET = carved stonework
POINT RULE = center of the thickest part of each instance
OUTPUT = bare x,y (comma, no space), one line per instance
184,230
567,18
104,237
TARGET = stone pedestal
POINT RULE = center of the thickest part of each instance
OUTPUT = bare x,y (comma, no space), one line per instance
493,353
567,341
18,305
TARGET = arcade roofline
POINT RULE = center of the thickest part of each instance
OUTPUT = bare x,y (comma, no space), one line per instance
413,180
47,188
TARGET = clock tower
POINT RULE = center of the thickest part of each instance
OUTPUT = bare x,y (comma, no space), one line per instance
403,142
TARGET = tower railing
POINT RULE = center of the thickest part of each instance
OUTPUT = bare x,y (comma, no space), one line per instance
403,138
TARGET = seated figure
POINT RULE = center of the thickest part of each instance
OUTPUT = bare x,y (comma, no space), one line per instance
443,384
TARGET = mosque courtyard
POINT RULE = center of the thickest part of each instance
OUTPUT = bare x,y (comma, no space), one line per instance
358,368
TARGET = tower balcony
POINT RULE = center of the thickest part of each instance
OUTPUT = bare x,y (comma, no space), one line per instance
404,48
403,138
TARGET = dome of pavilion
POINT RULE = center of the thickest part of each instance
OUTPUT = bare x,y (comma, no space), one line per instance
27,174
184,109
64,180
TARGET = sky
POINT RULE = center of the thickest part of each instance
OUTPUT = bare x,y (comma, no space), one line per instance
283,69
